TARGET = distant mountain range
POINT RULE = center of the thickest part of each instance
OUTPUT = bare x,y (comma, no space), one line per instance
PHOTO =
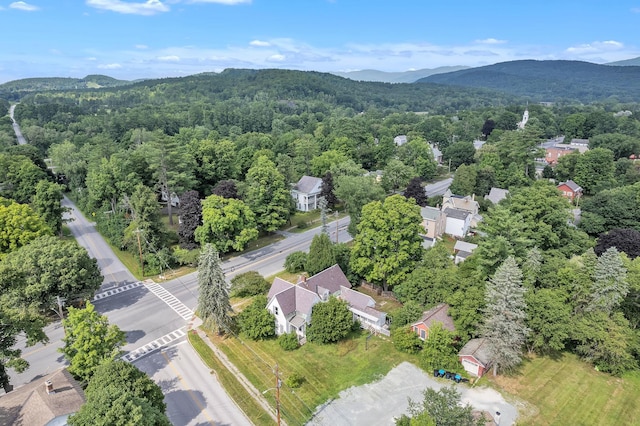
396,77
633,62
550,80
15,88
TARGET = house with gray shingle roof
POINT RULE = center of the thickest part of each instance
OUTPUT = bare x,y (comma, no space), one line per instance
496,195
457,223
475,357
291,304
437,314
306,193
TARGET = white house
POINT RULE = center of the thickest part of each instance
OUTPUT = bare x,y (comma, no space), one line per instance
458,222
306,193
291,304
400,140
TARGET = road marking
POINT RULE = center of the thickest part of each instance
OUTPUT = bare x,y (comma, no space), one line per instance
159,343
168,298
116,290
188,389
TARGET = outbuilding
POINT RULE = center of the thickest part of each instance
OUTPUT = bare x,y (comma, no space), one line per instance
475,357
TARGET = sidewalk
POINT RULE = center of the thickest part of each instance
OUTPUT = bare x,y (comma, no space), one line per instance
194,324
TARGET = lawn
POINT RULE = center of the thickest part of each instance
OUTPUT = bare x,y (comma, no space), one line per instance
326,369
568,391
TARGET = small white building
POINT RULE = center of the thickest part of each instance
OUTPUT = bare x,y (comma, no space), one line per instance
306,193
458,222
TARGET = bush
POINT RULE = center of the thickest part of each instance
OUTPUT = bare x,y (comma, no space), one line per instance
186,257
248,284
406,340
302,224
256,322
294,380
288,341
295,262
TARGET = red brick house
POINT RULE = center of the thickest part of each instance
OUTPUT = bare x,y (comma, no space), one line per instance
553,153
439,313
475,357
570,190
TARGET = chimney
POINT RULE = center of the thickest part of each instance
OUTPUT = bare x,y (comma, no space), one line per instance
48,386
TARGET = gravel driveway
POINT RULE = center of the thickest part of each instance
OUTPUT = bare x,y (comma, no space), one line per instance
380,402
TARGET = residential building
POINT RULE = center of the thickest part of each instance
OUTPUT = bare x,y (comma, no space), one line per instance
553,153
496,195
434,222
458,222
437,154
467,203
475,357
48,400
462,250
306,193
437,314
291,304
570,190
400,140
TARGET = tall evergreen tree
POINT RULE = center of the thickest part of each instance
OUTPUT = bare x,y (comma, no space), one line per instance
504,327
610,284
213,301
190,219
321,254
326,190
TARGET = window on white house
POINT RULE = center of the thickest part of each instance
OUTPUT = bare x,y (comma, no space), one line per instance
275,310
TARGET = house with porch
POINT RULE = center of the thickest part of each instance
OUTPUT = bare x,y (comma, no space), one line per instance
437,314
306,193
291,304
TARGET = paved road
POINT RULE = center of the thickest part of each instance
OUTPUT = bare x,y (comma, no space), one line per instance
16,127
438,188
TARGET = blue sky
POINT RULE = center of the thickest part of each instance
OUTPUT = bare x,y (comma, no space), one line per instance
130,39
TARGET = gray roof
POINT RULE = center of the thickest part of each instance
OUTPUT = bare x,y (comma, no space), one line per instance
439,313
456,213
464,246
496,195
287,300
355,299
305,300
477,348
431,213
307,184
331,279
31,405
572,185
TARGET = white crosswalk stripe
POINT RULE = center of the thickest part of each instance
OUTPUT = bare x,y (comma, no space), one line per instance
168,298
116,290
159,343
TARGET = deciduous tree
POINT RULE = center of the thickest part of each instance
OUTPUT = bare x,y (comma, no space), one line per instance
47,203
190,219
355,192
256,322
321,254
19,225
416,191
331,321
267,196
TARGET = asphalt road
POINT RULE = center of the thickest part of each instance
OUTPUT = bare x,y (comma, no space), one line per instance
16,127
438,188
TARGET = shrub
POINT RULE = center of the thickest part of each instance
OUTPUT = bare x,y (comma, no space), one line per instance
288,341
186,257
256,322
294,380
295,262
302,224
248,284
406,340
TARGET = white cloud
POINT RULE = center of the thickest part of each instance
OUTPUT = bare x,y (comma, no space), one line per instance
490,41
260,43
150,7
20,5
276,58
169,58
92,58
141,46
110,66
595,47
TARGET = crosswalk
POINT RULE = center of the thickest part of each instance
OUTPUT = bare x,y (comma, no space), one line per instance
168,298
116,290
159,343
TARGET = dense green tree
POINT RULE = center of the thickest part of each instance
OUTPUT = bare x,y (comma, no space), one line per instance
549,315
19,225
485,180
464,181
321,254
417,154
47,268
439,350
295,262
441,408
396,175
70,161
610,209
387,245
267,196
610,284
213,301
249,283
108,180
595,170
145,224
47,203
331,321
355,192
227,223
459,153
621,145
215,161
19,177
327,191
504,327
321,164
255,321
89,340
224,188
190,219
406,340
566,167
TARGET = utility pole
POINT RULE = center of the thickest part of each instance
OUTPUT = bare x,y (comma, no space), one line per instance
140,251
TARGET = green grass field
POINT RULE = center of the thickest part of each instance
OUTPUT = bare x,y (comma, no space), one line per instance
326,369
568,391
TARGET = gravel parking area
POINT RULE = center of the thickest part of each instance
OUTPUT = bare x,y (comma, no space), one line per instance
380,402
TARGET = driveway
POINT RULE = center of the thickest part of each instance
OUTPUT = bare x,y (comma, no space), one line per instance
380,402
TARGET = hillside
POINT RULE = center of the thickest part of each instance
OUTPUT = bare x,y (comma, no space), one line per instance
634,62
550,80
396,77
15,89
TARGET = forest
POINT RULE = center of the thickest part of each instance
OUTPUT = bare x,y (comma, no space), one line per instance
230,146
